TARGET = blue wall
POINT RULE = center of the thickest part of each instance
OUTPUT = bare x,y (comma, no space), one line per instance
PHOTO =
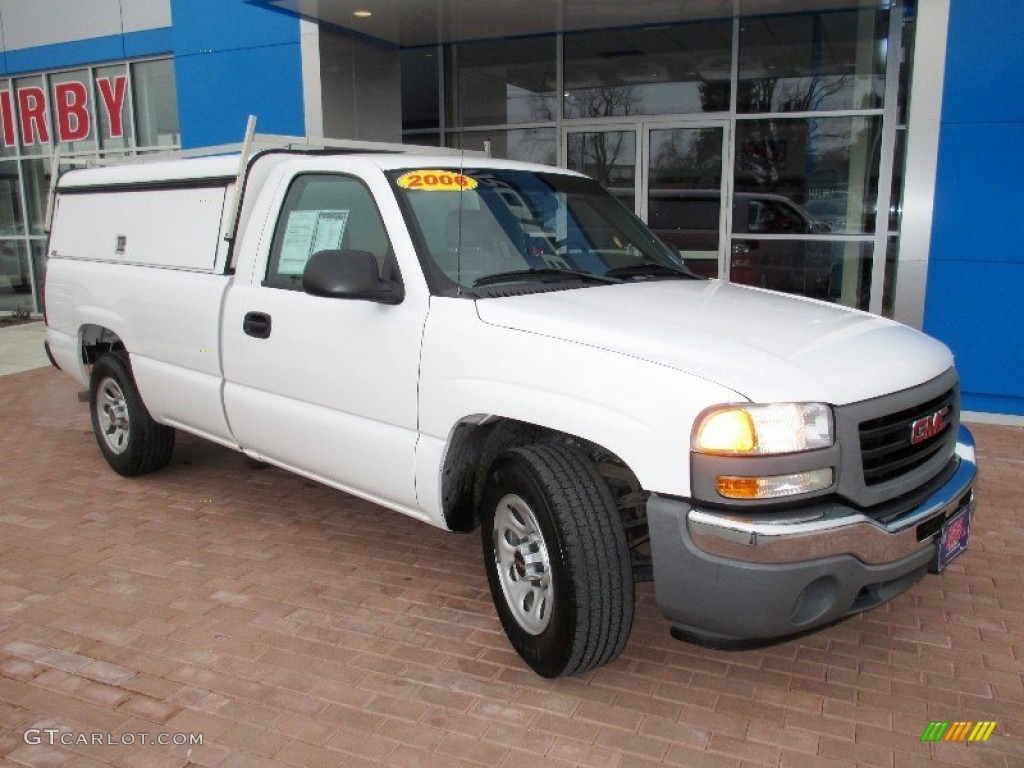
151,42
975,296
233,59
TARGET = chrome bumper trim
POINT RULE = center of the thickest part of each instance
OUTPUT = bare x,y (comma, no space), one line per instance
755,539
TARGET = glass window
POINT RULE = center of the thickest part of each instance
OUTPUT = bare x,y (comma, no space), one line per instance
36,173
72,120
156,103
609,157
816,61
531,145
684,213
820,269
827,166
503,81
115,127
322,213
684,195
11,222
420,89
39,257
669,69
33,115
14,278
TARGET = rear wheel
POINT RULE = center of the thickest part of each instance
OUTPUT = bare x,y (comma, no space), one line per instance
131,441
557,559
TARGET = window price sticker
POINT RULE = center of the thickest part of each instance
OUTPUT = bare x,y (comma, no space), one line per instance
436,181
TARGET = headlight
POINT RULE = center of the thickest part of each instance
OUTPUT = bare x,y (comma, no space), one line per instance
759,430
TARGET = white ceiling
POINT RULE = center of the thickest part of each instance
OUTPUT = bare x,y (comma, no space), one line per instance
422,22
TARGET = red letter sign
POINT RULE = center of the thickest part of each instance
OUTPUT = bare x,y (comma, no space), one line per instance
112,92
7,118
72,111
32,106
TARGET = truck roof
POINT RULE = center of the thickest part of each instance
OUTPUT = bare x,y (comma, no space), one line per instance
224,168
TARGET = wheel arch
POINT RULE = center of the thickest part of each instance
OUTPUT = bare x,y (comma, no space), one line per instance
477,440
95,339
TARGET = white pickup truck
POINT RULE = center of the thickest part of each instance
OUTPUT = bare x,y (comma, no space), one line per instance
476,342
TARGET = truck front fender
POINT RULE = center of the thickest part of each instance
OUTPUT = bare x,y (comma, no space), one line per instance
640,411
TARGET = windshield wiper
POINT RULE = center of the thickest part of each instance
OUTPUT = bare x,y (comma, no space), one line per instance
652,268
501,277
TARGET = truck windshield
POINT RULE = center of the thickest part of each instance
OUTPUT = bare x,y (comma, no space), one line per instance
480,229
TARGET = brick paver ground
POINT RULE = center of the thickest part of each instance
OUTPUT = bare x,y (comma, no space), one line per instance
292,625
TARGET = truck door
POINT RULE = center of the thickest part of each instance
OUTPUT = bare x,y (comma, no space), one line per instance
326,386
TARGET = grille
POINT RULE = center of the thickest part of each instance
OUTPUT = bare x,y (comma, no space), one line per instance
885,442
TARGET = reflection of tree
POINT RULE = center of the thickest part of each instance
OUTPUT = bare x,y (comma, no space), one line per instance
809,93
603,101
690,158
759,95
762,158
602,154
542,106
714,95
535,145
821,89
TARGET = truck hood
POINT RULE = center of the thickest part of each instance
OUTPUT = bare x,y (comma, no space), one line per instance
766,346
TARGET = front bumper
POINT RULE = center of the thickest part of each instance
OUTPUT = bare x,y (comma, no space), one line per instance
733,575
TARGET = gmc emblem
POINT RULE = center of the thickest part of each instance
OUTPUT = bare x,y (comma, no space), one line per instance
929,426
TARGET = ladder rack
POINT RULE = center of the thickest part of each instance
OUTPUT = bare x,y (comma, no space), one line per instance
262,142
252,145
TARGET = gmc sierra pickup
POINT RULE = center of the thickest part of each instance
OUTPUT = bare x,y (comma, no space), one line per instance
486,343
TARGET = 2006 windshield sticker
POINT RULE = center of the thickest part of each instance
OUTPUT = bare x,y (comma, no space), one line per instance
436,181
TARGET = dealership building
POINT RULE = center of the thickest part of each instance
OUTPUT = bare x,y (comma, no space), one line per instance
862,152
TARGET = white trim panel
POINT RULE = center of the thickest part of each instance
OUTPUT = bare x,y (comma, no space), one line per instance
33,23
923,128
312,93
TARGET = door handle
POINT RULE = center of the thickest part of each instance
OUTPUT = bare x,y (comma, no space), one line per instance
257,325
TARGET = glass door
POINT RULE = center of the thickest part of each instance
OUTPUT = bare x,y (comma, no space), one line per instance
669,174
683,190
609,155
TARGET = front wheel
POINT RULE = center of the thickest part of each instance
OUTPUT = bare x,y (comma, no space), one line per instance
557,559
131,441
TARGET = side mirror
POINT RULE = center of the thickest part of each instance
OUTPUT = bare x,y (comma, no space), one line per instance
349,275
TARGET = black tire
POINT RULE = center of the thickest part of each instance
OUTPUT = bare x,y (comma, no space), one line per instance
581,616
131,442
